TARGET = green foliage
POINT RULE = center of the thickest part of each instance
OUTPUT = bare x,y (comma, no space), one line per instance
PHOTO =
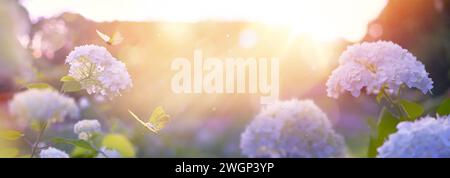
10,134
67,79
79,152
373,145
413,110
119,143
444,108
70,84
387,124
78,143
379,97
39,86
8,152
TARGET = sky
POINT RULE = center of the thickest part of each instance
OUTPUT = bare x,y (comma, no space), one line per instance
346,19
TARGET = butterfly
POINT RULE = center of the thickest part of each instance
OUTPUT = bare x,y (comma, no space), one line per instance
114,40
157,120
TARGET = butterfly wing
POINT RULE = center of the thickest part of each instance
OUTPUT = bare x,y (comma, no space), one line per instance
159,118
116,39
103,36
147,125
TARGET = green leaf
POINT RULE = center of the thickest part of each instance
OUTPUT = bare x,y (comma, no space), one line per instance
78,143
372,151
79,152
8,152
119,143
36,125
24,156
444,108
67,79
387,124
39,86
71,86
413,110
379,97
10,134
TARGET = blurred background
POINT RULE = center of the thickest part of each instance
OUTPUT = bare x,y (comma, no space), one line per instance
307,37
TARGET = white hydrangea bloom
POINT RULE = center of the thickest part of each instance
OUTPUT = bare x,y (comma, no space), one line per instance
109,153
98,71
292,129
424,138
53,153
85,128
43,105
370,66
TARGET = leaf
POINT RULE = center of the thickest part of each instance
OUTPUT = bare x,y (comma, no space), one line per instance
379,97
119,143
371,122
444,108
78,143
387,124
372,151
36,125
67,79
8,152
10,134
79,152
413,110
39,86
71,86
24,156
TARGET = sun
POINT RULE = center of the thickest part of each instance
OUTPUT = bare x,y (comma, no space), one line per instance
321,19
327,20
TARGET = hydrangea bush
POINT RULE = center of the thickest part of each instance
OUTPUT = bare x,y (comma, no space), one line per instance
93,69
291,128
382,69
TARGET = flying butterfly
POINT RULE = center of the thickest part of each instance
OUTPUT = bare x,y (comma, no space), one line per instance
157,120
114,40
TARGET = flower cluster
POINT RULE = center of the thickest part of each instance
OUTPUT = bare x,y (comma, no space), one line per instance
372,66
292,129
427,137
43,105
98,71
85,128
53,153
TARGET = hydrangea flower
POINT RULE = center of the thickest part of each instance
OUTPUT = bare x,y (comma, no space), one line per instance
98,71
424,138
372,66
109,153
292,129
51,152
43,105
85,128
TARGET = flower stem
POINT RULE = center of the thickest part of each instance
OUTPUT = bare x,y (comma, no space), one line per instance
36,143
395,105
